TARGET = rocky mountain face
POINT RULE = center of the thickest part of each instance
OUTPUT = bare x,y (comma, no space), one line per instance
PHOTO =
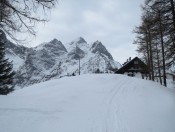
53,59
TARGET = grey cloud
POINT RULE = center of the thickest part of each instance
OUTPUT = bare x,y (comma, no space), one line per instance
110,21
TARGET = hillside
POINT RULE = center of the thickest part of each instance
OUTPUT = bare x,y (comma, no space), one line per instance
89,103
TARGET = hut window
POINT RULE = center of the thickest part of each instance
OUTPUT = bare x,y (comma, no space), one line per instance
131,74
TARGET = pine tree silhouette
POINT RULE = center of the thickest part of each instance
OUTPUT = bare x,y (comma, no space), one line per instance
6,72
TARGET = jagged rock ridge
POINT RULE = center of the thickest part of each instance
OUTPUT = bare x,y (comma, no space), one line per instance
53,59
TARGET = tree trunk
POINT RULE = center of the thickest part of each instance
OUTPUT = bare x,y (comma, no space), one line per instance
158,63
163,51
148,56
151,56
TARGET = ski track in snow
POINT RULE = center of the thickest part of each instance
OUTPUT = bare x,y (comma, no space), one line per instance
88,103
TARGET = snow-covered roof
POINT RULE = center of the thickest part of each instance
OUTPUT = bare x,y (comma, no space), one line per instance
128,65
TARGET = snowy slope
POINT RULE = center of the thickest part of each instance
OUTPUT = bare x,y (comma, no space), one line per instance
89,103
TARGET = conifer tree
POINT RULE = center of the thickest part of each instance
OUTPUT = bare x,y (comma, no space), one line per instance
6,73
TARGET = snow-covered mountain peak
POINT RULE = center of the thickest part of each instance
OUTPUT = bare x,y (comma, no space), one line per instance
54,46
55,41
80,43
98,47
97,44
79,40
52,59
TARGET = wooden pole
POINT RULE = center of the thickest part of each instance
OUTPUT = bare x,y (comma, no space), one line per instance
79,65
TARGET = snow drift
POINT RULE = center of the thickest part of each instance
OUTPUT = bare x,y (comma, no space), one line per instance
89,103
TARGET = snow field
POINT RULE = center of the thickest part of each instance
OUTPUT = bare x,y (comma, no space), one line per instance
89,103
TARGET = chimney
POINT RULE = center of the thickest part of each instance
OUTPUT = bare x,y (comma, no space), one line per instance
129,58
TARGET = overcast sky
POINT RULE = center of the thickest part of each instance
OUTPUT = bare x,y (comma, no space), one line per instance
109,21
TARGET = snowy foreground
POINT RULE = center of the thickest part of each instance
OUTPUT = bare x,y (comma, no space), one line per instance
89,103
